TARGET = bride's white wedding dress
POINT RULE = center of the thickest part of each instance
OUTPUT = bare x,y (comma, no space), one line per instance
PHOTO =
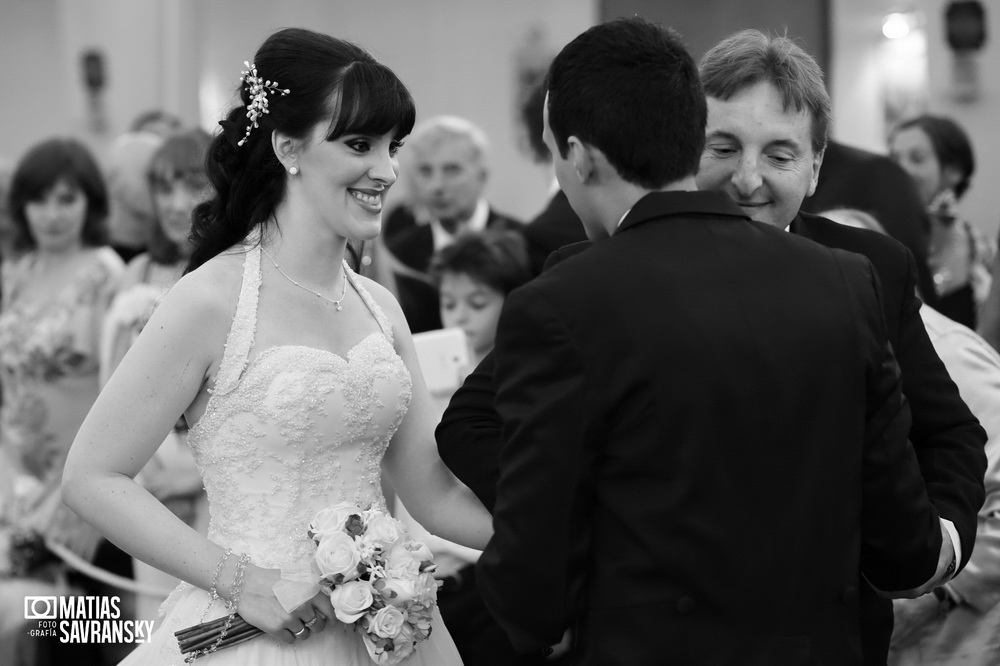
285,434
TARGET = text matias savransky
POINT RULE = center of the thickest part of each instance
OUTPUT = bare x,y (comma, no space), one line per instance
84,619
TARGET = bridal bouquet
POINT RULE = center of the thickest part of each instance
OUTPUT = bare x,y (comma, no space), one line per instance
378,579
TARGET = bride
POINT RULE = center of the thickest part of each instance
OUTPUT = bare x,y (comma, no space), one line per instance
298,377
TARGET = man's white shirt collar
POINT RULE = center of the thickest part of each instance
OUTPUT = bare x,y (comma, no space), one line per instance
476,223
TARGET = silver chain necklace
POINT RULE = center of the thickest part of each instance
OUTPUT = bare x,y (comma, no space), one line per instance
315,293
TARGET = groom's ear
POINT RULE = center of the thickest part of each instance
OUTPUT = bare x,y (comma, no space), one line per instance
581,156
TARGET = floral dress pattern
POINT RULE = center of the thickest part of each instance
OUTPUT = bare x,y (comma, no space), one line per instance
48,366
48,371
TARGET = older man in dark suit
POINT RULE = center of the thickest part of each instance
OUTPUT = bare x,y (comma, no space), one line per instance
768,119
449,176
705,440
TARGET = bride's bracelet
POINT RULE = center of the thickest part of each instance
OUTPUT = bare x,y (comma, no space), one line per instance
237,586
234,599
214,590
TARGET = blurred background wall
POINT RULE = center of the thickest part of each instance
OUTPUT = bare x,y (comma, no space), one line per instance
471,58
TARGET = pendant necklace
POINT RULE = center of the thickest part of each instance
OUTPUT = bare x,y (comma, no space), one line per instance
301,286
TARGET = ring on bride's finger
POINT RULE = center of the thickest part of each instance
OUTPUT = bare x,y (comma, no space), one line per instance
300,632
312,622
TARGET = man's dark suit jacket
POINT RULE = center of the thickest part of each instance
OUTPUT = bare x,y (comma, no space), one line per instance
946,436
556,226
705,440
873,183
413,245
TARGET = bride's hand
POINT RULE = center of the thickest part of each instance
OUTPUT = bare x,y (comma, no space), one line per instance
259,607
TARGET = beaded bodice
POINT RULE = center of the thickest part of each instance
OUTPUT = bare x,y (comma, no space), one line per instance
294,430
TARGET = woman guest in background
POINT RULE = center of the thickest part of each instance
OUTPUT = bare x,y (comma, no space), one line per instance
474,275
298,378
989,321
54,300
937,153
178,183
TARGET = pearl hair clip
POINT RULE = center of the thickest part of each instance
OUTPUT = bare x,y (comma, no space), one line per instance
258,96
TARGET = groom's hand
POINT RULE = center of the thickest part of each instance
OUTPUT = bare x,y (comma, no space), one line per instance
945,570
562,647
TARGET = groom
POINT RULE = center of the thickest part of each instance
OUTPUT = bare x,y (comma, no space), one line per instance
705,436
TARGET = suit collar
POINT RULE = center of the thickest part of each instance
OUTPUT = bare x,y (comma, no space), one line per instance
477,222
661,204
800,225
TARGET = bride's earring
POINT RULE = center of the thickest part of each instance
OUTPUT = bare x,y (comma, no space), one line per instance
293,171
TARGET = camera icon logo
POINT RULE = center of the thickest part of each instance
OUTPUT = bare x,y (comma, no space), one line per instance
40,608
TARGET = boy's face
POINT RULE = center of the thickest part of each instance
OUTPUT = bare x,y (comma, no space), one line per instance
473,307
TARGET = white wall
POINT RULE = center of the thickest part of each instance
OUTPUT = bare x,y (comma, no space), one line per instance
857,80
457,56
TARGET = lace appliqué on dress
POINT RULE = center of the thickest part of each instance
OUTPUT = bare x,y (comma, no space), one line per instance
294,430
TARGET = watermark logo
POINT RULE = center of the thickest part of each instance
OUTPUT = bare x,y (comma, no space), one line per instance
84,619
41,608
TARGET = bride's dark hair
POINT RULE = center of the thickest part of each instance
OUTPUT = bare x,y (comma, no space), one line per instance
325,76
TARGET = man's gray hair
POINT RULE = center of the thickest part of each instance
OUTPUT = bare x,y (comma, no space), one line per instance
452,126
749,57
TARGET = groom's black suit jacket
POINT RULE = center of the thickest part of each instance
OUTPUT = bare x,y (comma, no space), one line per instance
705,441
945,436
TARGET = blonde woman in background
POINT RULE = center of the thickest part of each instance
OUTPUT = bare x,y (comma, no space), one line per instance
178,183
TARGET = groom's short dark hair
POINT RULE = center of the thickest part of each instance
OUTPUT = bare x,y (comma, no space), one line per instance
629,88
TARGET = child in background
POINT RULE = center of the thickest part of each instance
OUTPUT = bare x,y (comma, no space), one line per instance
474,275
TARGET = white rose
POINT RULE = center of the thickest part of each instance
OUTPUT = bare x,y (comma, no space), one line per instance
425,589
389,651
400,562
387,622
383,531
332,519
421,553
337,556
397,591
351,600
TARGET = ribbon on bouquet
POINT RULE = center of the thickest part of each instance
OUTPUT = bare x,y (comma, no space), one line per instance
298,584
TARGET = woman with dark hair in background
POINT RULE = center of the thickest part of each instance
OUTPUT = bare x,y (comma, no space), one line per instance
54,300
938,155
297,376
